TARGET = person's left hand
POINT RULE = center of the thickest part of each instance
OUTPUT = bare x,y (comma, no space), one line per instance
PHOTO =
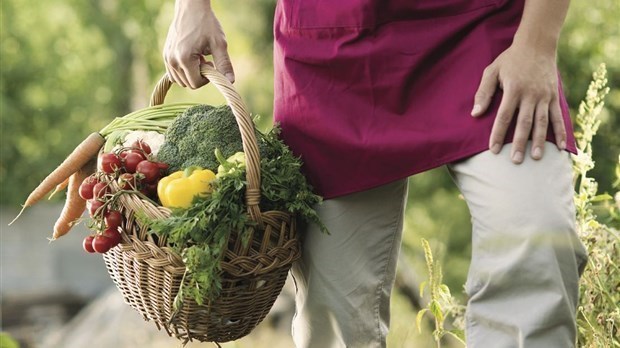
529,80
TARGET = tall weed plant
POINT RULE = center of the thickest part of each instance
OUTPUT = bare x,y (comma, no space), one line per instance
599,306
598,315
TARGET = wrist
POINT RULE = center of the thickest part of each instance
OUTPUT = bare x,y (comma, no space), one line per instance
538,41
193,3
540,26
204,2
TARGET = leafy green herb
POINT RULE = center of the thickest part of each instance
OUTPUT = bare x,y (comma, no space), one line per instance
200,234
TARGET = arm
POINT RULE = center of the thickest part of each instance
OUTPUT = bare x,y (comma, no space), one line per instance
194,32
527,74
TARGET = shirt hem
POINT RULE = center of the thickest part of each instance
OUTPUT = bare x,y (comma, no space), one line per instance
432,165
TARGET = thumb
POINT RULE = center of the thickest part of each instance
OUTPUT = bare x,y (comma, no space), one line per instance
485,91
222,61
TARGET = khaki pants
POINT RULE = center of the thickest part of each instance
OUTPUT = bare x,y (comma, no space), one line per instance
523,279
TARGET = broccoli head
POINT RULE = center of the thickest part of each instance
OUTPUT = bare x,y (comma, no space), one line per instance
195,134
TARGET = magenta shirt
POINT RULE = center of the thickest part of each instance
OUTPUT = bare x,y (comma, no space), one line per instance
371,91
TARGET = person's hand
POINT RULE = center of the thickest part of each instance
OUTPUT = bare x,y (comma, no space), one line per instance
195,32
529,80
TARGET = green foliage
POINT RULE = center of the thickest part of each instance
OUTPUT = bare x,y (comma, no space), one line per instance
591,35
599,306
441,304
67,67
6,341
200,234
283,187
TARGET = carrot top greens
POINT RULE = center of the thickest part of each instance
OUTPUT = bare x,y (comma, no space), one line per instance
199,234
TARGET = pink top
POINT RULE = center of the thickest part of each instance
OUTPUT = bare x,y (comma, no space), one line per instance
370,91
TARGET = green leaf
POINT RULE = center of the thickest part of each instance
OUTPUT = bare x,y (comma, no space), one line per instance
418,318
445,290
435,308
601,197
422,286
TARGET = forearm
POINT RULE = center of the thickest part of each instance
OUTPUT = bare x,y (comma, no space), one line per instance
185,10
541,24
190,3
194,33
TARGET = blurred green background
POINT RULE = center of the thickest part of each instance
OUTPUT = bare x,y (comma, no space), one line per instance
69,66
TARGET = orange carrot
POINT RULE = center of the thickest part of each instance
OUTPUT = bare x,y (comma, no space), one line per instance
63,185
74,204
83,153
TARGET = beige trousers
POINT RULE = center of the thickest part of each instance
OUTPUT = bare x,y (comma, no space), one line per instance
522,284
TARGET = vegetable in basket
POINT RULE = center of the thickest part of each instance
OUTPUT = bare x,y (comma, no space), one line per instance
179,189
200,232
229,165
156,118
195,134
239,238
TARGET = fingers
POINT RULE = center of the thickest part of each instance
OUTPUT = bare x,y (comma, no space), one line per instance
485,91
191,67
222,60
532,120
530,84
539,135
523,129
173,67
505,113
174,76
557,122
194,32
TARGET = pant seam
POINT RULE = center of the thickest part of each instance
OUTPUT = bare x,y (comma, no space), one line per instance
378,304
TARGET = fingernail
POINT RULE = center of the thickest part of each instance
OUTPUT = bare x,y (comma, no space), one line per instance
230,77
517,157
562,144
537,154
496,148
476,110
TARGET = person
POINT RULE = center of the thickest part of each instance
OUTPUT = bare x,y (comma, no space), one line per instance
370,92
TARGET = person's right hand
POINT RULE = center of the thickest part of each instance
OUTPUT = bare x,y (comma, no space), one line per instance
194,32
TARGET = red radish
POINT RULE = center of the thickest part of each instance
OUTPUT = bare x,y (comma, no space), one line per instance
87,244
109,163
113,235
101,189
86,187
150,170
132,159
95,207
127,181
102,244
163,166
113,219
140,144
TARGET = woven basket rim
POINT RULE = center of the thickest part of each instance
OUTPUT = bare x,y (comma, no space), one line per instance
246,128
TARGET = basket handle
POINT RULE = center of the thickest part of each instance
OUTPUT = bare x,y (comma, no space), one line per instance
246,126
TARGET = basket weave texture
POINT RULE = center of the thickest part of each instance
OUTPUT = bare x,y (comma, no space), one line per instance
148,273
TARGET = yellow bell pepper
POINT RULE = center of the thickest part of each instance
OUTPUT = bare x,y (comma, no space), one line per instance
178,189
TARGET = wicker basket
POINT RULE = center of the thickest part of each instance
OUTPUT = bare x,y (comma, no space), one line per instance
148,273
